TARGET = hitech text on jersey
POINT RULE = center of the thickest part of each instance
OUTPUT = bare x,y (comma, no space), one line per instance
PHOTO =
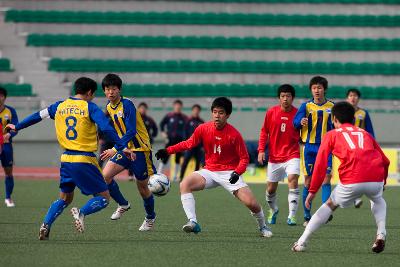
319,121
129,125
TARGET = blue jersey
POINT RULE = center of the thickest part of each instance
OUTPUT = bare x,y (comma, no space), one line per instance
362,120
8,115
175,125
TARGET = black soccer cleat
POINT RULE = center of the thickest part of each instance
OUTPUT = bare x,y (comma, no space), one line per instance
379,244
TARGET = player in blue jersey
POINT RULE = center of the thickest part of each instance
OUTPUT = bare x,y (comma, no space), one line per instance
361,119
7,115
131,129
314,120
75,123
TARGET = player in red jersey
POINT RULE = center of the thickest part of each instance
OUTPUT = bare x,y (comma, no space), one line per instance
363,171
284,152
226,159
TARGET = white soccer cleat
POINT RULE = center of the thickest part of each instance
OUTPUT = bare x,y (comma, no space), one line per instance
120,211
44,232
9,203
266,232
78,220
357,203
298,247
147,225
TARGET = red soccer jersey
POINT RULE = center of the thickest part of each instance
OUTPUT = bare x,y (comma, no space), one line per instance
282,137
361,158
224,149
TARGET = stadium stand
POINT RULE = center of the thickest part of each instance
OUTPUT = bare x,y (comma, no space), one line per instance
5,64
18,89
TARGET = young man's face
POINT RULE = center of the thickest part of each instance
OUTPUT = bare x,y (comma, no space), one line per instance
318,91
353,99
285,100
2,99
195,112
177,108
142,110
219,117
112,93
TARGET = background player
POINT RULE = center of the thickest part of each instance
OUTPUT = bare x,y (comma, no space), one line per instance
196,153
284,153
129,125
7,115
361,119
226,159
149,122
363,171
313,119
75,122
172,128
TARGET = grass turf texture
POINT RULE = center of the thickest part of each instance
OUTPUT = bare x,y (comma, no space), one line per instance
229,236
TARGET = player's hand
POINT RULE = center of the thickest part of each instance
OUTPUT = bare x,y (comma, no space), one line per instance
261,158
161,154
304,122
10,128
309,199
6,138
234,177
107,154
129,154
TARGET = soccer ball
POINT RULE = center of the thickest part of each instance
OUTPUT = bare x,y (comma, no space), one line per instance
159,184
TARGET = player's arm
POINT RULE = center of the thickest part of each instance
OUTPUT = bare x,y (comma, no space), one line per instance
163,124
300,118
368,124
263,140
386,161
130,123
154,128
14,120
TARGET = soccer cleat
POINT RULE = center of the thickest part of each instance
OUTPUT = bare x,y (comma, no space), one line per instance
272,216
120,211
297,247
265,231
44,232
9,203
78,220
329,219
147,225
379,244
306,221
357,203
291,221
191,226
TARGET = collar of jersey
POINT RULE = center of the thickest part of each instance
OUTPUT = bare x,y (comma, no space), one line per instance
312,101
116,106
75,98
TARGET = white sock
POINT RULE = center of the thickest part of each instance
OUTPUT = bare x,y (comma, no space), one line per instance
293,200
378,208
188,205
271,200
160,167
177,171
319,218
260,218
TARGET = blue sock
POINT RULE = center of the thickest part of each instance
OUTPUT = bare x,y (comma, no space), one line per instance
307,212
9,181
148,204
55,209
94,205
116,194
326,192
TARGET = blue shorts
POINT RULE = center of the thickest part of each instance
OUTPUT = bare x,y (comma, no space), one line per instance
142,167
7,158
310,152
83,171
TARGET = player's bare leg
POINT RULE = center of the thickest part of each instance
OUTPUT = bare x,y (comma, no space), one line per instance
9,183
272,202
245,195
109,172
148,203
293,198
307,212
191,183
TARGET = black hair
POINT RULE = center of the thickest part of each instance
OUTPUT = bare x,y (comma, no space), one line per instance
111,79
343,112
286,88
178,101
222,102
196,106
319,80
84,85
3,91
144,105
353,90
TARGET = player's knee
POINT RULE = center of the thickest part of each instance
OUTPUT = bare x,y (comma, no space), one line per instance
271,190
184,186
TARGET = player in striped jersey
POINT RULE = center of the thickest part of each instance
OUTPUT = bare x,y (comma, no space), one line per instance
361,119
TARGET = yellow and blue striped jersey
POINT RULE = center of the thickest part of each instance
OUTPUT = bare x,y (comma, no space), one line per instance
8,115
319,121
363,120
129,125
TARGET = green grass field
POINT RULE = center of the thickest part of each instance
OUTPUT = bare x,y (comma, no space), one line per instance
229,236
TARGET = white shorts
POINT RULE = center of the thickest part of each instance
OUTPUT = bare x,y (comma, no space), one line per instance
278,171
221,178
344,195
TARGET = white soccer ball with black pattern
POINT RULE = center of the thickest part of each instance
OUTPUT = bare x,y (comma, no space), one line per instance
159,184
